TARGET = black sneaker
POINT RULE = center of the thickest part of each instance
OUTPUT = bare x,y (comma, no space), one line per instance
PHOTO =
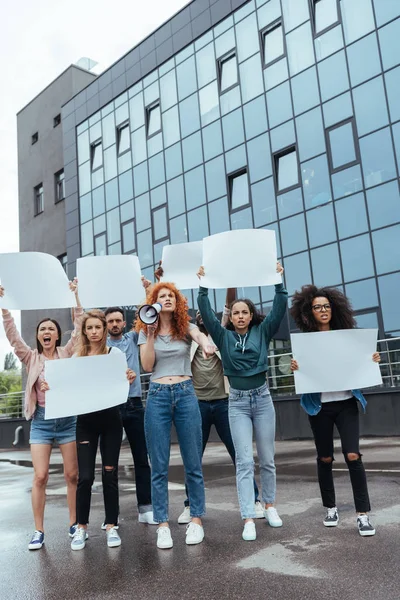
332,517
364,526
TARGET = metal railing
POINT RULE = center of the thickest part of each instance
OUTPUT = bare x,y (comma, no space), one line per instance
280,377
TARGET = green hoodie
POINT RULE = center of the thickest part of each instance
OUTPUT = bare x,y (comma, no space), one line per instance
250,358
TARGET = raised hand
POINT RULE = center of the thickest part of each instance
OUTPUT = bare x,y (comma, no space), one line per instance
1,291
279,268
201,272
294,365
130,375
159,272
145,282
376,357
44,386
73,285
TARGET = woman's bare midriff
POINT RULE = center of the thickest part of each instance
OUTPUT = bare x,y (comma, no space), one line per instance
173,379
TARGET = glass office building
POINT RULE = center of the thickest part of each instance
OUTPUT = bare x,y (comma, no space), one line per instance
281,114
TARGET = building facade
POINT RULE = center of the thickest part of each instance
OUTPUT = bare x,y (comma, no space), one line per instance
277,114
41,185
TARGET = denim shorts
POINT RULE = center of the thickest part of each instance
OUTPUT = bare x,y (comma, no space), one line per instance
62,431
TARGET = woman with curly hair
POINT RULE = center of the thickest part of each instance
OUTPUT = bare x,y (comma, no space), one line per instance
243,345
165,351
326,309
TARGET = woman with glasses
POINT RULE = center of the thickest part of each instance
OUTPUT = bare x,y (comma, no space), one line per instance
328,309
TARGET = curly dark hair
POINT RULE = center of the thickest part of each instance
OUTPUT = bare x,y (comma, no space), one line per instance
257,316
302,313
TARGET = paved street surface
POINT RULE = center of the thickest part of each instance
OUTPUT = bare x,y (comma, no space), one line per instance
303,560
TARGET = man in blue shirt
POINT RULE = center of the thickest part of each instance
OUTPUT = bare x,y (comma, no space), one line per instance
132,412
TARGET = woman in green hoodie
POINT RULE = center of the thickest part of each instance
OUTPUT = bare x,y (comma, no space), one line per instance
243,345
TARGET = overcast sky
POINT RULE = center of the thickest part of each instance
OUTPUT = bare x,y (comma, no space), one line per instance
38,40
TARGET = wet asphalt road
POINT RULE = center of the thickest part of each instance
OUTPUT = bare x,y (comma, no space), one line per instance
300,561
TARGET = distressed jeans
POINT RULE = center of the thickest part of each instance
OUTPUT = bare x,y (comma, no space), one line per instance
166,404
253,410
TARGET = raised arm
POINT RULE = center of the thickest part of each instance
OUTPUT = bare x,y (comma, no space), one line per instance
273,319
210,321
77,314
21,349
230,297
147,352
202,340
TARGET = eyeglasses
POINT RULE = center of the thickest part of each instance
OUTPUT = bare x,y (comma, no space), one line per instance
319,307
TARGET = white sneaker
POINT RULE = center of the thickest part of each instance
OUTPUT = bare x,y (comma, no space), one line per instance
249,531
104,526
271,514
259,510
113,539
185,517
79,539
148,518
194,534
164,539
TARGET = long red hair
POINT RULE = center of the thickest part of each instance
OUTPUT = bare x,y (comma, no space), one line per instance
181,318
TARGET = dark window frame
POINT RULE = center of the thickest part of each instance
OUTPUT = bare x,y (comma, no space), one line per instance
122,236
220,62
313,4
124,125
61,258
34,138
37,204
357,161
57,120
229,186
148,109
95,237
275,167
264,33
57,186
167,236
373,309
93,146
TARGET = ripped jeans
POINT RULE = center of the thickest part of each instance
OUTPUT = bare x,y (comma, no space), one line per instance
106,426
248,410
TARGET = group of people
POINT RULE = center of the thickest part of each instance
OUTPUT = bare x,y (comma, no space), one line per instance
206,373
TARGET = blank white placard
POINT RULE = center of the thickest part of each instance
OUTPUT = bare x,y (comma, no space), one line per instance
181,262
110,281
333,361
32,281
241,258
86,384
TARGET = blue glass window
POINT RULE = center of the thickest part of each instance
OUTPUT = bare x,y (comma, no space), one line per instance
273,42
156,170
396,137
219,216
255,117
239,190
113,226
84,178
341,146
294,13
389,38
293,234
377,157
160,224
310,134
230,100
195,188
384,204
370,106
325,14
297,272
305,91
112,194
192,151
87,238
389,286
357,258
127,211
286,169
176,197
247,37
235,159
125,187
145,248
224,43
357,17
315,178
98,201
276,74
326,266
215,178
351,216
212,140
206,65
186,76
300,49
100,245
290,203
269,11
153,119
329,43
109,131
99,224
392,79
178,230
85,207
110,163
228,72
242,219
338,109
142,211
362,294
347,182
364,61
158,196
189,115
263,200
83,147
386,11
209,103
279,104
387,249
333,76
139,146
232,127
321,225
173,161
168,93
259,156
283,136
251,78
137,112
198,224
170,121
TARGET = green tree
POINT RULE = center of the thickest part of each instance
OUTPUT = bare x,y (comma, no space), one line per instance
10,362
10,401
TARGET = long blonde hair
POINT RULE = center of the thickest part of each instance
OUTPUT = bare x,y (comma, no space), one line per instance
83,345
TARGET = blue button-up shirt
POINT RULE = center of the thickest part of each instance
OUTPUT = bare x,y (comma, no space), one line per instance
312,402
128,345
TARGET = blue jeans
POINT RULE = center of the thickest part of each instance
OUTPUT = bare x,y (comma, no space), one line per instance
62,431
215,412
175,403
248,410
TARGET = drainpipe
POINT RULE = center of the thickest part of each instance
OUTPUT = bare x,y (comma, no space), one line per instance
19,431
